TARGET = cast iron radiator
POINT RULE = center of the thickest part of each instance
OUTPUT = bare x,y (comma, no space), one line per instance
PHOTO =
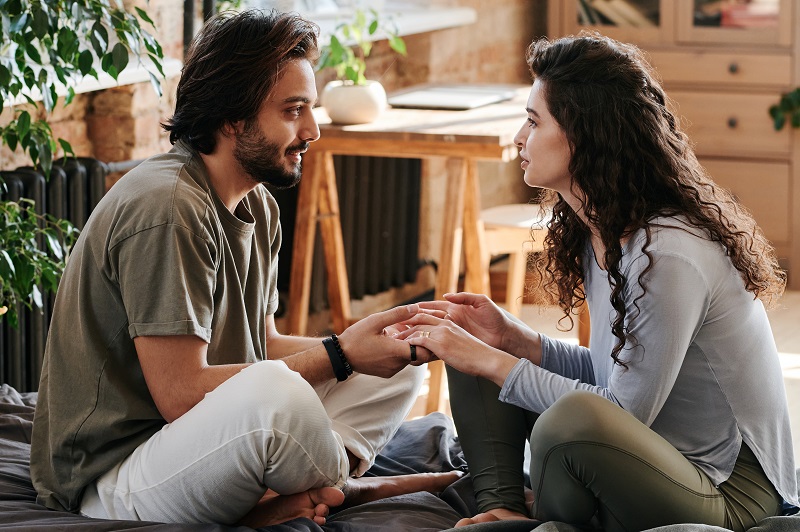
74,188
379,210
379,202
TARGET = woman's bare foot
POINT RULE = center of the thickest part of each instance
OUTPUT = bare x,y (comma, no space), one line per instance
273,509
496,514
366,489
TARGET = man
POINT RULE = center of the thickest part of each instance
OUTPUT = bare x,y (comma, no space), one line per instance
167,394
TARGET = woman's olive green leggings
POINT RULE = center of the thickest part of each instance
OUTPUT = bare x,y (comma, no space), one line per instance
590,459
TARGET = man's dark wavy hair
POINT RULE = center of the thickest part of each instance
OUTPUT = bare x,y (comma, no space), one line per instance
632,163
232,65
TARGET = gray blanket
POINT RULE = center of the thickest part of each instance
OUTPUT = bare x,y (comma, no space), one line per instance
427,444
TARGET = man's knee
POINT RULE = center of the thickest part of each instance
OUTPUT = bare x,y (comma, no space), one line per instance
268,386
413,377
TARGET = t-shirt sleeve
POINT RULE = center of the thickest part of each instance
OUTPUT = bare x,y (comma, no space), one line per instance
166,277
568,360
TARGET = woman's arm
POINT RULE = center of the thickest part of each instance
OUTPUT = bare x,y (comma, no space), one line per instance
664,322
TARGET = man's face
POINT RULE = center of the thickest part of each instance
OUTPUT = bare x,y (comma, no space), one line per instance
269,148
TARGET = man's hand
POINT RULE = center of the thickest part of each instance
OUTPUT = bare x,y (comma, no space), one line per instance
370,350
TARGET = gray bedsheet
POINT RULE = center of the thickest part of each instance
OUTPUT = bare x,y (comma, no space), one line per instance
427,444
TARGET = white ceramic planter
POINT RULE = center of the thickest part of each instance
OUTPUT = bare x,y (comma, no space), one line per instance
353,104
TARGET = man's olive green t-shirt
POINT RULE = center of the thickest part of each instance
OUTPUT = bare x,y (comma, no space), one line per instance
160,256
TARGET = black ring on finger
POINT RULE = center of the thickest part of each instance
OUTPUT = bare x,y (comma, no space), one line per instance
413,353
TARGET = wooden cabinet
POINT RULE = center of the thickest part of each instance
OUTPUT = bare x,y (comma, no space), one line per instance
723,64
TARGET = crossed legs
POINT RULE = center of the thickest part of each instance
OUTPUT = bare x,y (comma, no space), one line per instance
590,459
264,429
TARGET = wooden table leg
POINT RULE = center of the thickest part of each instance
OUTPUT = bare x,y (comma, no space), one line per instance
318,201
449,262
333,245
305,226
476,254
452,228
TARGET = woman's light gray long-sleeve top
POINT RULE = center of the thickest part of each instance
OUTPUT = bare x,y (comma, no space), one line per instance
705,374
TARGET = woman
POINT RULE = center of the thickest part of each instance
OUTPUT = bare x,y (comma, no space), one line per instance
677,413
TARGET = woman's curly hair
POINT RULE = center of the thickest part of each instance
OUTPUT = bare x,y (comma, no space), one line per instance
631,163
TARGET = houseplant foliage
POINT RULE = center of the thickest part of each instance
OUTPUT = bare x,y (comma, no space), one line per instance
786,110
25,265
352,98
47,46
349,62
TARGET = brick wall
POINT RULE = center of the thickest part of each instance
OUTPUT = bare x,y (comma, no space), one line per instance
121,123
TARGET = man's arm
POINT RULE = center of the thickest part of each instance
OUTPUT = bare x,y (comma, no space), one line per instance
178,375
367,348
304,355
177,372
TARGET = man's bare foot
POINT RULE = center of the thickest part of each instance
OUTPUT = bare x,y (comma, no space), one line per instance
273,509
496,514
366,489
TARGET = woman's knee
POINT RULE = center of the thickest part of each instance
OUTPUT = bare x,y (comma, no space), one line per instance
577,416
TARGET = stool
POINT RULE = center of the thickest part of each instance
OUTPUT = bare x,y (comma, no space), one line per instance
509,230
518,229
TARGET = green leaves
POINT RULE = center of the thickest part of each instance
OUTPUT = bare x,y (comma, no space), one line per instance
787,109
349,63
28,268
34,137
49,45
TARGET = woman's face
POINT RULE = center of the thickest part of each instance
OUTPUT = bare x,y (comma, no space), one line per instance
543,146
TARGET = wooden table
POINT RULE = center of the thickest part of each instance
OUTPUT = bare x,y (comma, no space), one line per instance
463,137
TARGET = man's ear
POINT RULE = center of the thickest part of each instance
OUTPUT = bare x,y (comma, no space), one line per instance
231,129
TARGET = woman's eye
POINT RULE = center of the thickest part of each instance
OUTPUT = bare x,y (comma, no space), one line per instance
531,122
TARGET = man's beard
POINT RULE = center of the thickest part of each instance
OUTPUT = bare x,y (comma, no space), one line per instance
261,159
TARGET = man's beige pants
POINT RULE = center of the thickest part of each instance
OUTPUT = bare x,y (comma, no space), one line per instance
266,427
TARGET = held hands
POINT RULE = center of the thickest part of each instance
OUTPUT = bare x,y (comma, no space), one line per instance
440,335
467,331
372,348
476,314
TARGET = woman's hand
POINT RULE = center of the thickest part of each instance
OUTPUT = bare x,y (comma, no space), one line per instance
458,348
483,319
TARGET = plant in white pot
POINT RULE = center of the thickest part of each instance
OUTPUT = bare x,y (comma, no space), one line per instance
352,98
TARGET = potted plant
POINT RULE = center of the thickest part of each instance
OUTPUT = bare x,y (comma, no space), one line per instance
46,47
351,98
